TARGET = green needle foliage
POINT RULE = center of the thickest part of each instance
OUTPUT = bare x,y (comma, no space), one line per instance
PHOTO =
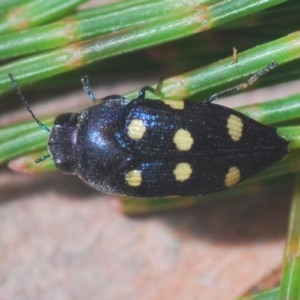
142,24
290,288
35,13
178,24
266,295
94,34
45,39
6,5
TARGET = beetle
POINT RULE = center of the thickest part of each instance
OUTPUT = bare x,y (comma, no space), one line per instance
148,148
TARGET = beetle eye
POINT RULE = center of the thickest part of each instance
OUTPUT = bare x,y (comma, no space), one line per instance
62,140
67,119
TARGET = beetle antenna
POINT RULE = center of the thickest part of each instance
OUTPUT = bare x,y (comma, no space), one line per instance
87,88
25,102
42,158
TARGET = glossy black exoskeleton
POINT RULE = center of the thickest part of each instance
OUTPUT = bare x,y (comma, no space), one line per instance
148,148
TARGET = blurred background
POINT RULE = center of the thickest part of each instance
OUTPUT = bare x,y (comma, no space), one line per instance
62,240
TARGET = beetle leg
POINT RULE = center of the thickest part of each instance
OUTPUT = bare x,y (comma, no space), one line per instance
244,85
87,88
142,91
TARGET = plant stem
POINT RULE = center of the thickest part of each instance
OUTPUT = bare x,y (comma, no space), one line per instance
152,33
35,13
290,288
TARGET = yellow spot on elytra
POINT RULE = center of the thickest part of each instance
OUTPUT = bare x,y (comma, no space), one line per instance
183,140
134,178
176,104
232,177
235,127
182,171
136,129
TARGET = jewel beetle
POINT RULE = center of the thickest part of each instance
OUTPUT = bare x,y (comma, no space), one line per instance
149,148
